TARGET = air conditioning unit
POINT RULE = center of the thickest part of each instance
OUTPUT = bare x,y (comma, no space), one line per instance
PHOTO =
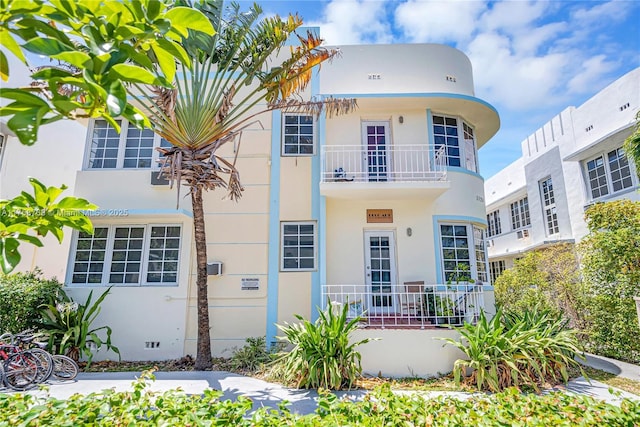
523,234
214,268
250,284
158,179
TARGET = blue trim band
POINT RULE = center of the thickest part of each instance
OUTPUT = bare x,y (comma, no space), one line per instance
274,229
317,205
414,95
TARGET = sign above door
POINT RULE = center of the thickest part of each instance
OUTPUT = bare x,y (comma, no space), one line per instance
379,216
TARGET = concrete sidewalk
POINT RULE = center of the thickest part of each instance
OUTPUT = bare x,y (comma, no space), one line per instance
263,393
616,367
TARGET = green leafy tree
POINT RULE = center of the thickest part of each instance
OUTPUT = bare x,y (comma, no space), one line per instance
231,70
546,279
632,144
39,213
611,267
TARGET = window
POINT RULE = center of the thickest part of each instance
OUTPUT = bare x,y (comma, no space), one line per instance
446,131
608,176
127,255
131,148
298,246
298,135
549,206
497,268
481,254
520,214
469,148
493,222
460,262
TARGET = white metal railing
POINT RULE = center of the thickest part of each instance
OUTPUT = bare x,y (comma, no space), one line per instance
405,306
397,163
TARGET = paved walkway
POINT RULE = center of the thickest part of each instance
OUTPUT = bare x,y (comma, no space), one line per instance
616,367
271,395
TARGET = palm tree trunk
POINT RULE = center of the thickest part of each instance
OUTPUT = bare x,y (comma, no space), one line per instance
203,354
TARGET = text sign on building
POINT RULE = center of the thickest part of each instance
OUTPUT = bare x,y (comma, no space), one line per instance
379,215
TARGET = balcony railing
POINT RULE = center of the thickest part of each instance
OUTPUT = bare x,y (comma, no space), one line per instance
410,305
397,163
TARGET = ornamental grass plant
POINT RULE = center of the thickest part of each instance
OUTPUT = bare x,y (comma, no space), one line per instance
322,354
529,350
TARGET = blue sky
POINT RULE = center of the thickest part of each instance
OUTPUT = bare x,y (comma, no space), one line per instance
531,59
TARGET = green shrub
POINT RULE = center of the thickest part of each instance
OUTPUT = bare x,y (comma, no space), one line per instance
528,350
322,355
382,407
69,325
21,296
545,279
252,356
611,268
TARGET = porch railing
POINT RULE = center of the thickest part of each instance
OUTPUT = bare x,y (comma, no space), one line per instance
397,163
403,306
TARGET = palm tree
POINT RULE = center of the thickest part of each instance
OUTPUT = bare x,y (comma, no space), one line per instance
215,97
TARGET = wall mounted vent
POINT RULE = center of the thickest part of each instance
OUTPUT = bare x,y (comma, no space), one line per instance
158,179
214,268
250,284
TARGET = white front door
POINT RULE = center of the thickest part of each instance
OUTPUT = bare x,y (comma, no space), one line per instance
380,271
376,140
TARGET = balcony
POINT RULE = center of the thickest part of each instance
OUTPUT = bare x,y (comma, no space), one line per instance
411,305
383,172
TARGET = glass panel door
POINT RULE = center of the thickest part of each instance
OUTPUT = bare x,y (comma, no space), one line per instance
380,270
376,141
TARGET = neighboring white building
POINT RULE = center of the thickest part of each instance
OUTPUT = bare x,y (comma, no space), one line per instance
574,160
379,209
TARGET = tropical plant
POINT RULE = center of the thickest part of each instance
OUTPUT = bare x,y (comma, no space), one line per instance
21,296
528,350
70,327
322,355
41,214
225,81
632,144
611,269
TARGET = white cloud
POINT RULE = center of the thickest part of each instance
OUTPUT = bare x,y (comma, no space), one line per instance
589,73
438,21
354,22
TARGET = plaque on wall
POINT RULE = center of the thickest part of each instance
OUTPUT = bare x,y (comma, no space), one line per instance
379,215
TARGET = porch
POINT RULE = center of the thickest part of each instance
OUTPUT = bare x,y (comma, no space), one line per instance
411,305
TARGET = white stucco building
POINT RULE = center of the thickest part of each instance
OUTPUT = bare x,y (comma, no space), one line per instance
382,209
572,161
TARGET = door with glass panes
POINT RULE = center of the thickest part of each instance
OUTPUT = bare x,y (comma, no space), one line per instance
380,271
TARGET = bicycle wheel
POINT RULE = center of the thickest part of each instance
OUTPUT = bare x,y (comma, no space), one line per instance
64,368
45,364
20,371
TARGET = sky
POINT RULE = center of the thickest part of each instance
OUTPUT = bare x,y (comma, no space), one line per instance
531,59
